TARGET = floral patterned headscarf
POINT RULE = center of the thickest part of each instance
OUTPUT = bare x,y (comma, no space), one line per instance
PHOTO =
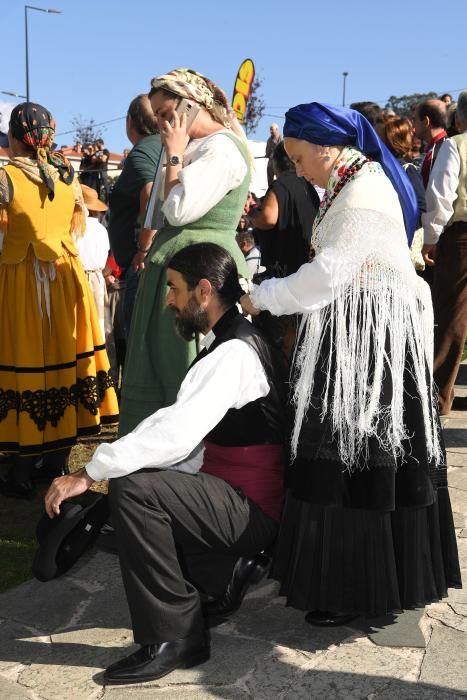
187,83
35,126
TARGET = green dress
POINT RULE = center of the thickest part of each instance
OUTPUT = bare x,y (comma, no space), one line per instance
157,358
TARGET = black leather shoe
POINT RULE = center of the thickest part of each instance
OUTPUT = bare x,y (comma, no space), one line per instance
154,661
17,489
328,619
245,573
45,473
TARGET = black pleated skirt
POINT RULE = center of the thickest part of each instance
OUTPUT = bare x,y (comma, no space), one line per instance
373,541
367,562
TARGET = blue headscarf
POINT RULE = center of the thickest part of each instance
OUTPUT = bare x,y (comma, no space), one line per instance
325,125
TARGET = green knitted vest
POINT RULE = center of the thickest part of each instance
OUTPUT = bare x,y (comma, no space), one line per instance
218,225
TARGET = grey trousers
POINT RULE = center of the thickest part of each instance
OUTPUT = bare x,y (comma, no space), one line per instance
179,534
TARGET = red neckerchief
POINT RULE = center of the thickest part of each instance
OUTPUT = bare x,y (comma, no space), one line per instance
428,160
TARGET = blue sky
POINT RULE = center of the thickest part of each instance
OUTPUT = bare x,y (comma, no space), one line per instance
96,56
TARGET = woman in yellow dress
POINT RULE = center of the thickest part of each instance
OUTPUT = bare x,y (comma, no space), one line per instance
55,382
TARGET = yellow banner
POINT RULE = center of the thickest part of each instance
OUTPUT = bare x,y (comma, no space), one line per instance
242,89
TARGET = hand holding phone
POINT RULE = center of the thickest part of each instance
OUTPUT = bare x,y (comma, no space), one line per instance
175,133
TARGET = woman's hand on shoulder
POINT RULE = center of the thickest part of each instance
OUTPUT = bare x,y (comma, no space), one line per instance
174,135
248,307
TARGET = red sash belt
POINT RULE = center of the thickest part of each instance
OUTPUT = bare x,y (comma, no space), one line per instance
258,470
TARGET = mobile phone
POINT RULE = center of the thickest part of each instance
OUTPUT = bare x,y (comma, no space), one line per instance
191,109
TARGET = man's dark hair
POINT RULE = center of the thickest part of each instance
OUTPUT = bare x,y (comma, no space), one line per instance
142,116
446,94
213,263
281,159
370,110
436,114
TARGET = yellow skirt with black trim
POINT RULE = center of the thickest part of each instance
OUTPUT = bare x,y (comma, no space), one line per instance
55,382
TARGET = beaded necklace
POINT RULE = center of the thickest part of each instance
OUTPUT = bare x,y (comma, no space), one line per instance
341,174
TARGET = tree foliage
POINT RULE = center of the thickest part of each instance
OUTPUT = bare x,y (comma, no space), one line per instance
255,107
86,130
401,105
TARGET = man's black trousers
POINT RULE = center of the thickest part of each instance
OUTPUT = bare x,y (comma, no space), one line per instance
179,533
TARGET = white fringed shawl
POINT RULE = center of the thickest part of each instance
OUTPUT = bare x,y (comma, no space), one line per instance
363,288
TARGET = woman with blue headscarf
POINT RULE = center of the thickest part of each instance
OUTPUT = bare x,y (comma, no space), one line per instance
367,527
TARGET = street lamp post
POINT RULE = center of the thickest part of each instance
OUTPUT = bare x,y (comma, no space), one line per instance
39,9
345,74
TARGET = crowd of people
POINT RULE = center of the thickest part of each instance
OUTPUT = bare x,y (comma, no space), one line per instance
93,167
281,378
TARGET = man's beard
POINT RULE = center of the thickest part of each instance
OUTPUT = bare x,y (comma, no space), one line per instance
192,319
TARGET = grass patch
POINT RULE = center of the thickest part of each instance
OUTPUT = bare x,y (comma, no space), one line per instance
19,518
16,558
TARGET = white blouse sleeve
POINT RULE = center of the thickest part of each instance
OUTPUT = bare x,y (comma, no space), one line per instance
351,237
219,167
307,290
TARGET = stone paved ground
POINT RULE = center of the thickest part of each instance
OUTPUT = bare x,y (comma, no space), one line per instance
56,638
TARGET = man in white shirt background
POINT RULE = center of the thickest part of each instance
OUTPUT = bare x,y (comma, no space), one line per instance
196,489
445,234
246,242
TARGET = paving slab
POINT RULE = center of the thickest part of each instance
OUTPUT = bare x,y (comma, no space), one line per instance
21,645
416,691
455,437
460,520
456,458
13,691
402,630
459,608
458,595
458,479
275,675
271,620
49,605
462,551
355,670
458,500
444,663
73,670
186,692
445,613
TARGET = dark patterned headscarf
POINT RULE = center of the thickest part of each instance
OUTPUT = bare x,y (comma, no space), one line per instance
35,126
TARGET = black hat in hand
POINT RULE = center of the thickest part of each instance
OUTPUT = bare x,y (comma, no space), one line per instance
63,539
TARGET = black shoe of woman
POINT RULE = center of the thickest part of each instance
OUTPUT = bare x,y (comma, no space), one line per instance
45,473
51,465
16,489
328,619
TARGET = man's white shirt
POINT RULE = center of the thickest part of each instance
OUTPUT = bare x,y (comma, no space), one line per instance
172,438
441,192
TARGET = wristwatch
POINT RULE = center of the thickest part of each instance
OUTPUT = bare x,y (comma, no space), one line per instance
174,160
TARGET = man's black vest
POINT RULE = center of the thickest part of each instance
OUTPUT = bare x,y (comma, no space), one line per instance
260,422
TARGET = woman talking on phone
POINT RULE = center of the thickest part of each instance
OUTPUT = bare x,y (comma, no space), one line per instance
207,175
